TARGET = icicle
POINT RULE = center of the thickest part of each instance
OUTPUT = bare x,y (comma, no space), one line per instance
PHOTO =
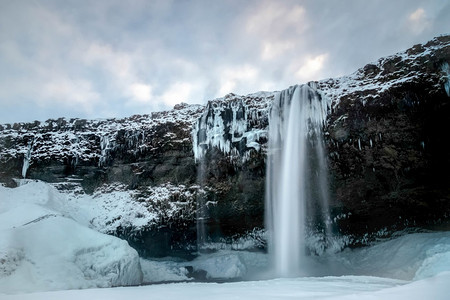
446,69
104,144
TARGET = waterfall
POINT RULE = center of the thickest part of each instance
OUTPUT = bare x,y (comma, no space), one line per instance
27,158
199,152
201,209
296,184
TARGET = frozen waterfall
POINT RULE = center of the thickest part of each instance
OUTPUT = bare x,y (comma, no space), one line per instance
296,183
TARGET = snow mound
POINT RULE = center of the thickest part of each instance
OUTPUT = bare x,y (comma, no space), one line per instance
221,266
412,256
437,261
163,271
42,250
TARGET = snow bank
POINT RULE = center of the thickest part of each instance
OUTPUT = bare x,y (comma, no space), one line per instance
41,249
412,256
437,261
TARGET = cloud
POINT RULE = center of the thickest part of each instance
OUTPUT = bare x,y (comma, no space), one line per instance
177,93
233,78
112,58
311,67
418,15
141,92
275,18
118,64
75,93
272,50
418,21
278,26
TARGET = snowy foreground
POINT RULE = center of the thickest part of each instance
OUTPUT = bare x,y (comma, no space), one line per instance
345,287
49,249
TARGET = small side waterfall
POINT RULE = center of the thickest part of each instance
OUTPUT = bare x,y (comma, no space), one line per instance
198,134
27,158
296,186
201,209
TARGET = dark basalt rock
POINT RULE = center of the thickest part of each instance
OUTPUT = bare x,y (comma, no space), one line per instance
388,163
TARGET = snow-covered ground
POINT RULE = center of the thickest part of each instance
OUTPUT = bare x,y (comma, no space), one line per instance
50,248
346,287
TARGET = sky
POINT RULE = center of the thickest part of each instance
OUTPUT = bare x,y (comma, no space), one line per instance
114,58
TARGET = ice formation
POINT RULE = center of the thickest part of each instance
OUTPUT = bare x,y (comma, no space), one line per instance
231,125
296,174
446,70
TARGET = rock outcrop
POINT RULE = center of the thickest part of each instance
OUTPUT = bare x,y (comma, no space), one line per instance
385,133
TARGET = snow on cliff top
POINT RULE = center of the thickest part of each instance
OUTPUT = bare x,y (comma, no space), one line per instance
90,139
85,139
377,77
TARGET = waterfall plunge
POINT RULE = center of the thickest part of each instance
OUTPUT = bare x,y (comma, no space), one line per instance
296,176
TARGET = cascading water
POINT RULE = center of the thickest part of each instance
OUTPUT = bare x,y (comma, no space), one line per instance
201,209
296,176
27,158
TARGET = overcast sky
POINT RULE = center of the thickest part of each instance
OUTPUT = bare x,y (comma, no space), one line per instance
100,59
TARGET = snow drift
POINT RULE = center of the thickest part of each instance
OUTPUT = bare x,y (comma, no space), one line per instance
41,249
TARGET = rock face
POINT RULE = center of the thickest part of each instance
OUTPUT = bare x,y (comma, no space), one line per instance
388,158
149,157
385,134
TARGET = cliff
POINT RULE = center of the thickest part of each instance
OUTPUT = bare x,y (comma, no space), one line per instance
385,135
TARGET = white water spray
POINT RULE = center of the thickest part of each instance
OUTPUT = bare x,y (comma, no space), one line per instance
296,176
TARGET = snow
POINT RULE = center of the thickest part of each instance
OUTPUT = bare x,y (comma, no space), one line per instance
436,261
42,250
111,206
407,257
163,271
45,245
343,288
370,87
88,140
221,266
